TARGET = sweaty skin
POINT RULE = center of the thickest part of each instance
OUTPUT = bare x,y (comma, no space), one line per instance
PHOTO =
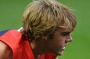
5,51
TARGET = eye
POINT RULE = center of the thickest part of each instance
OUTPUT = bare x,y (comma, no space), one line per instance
65,33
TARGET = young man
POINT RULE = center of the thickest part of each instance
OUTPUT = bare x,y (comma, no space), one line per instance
45,31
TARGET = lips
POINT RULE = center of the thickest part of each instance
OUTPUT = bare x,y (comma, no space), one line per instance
63,48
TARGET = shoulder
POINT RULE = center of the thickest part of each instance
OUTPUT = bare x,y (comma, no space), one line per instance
9,37
5,51
10,32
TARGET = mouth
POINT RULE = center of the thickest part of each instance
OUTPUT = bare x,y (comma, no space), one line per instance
61,51
63,48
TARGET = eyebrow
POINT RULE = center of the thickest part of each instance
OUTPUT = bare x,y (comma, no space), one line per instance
65,33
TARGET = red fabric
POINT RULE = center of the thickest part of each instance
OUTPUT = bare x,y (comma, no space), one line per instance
48,56
21,47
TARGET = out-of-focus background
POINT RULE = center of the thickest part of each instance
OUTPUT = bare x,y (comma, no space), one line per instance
11,18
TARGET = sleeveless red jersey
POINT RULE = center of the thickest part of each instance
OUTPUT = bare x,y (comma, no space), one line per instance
20,47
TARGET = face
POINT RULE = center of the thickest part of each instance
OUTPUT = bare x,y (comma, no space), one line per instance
60,39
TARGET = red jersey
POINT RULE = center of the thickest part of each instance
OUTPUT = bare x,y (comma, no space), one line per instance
20,47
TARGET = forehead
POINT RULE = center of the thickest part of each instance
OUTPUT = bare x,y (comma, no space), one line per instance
64,30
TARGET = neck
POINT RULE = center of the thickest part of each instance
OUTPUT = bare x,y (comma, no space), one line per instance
38,48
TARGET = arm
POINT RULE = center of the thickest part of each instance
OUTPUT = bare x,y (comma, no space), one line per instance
5,51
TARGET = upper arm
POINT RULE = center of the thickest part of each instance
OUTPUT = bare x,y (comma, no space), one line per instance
5,51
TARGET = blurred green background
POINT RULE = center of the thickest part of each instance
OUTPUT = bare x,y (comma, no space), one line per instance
11,18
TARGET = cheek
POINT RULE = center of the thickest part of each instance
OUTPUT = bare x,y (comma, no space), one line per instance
54,45
59,39
58,42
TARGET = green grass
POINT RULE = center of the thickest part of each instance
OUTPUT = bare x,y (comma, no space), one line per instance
11,17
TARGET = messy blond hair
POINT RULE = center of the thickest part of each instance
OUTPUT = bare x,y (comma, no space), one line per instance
45,16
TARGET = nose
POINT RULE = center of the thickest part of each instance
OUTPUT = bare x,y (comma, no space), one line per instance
68,38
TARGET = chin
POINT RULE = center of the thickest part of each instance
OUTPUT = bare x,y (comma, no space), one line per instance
60,53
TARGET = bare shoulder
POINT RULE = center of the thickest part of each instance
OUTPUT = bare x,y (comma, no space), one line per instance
5,51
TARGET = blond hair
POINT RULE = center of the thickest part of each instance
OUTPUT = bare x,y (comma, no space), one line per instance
46,15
